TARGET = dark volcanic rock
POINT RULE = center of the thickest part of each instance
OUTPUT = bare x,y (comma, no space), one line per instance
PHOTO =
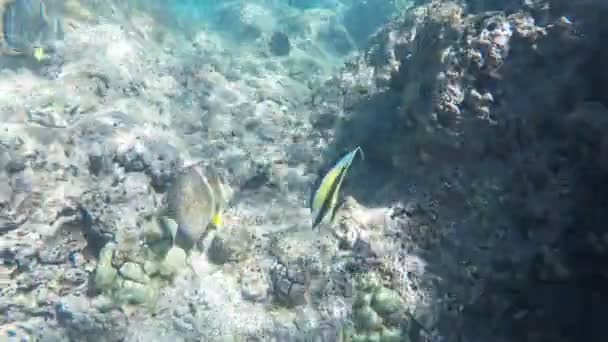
498,116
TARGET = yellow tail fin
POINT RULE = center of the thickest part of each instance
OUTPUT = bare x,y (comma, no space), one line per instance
39,53
217,220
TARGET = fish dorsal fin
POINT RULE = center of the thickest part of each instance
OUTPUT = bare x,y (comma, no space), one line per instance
360,150
349,157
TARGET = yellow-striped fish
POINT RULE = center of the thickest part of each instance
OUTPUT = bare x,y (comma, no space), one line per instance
325,197
39,53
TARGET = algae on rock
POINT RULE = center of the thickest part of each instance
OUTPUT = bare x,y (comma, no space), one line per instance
136,279
378,312
132,271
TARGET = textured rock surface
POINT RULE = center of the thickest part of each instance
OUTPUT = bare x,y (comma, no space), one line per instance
481,198
479,110
87,156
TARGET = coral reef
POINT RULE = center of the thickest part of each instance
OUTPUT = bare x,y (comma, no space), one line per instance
362,18
481,198
378,313
246,20
132,276
279,44
482,112
88,155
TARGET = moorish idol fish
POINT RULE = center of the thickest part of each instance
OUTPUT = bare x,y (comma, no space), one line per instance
325,198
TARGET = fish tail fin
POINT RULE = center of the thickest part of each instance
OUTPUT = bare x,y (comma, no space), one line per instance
217,220
39,53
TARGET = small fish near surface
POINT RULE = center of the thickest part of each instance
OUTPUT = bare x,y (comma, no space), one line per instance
39,53
325,198
27,28
196,201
